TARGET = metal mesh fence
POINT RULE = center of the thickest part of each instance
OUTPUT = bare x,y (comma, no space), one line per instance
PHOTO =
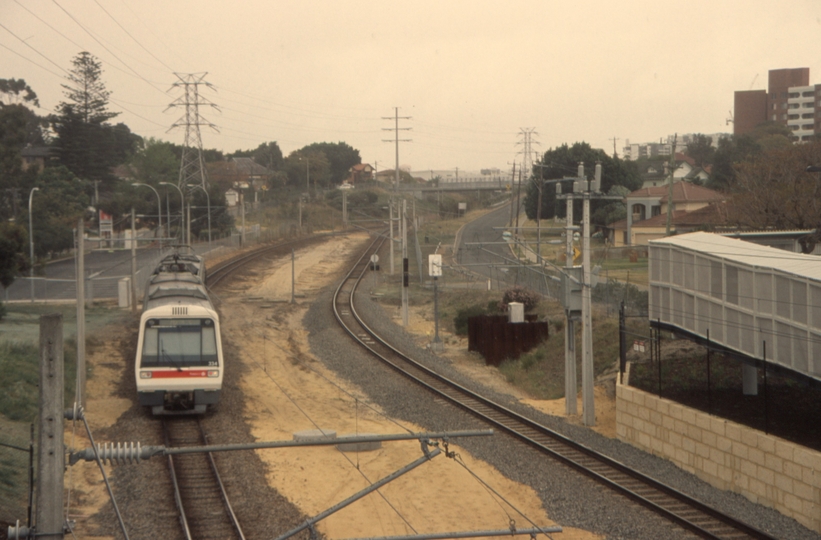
15,443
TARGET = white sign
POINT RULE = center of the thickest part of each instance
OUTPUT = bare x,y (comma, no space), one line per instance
374,258
435,265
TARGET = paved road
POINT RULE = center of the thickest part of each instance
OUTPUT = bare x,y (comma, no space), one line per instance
481,247
103,268
483,251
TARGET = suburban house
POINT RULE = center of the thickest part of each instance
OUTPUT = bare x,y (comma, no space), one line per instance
693,207
655,173
35,157
361,172
244,173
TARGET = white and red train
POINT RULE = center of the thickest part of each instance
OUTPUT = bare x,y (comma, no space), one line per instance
179,363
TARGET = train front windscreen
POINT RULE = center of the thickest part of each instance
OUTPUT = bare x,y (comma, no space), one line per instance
179,343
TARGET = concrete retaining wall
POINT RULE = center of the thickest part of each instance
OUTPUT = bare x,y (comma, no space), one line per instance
765,469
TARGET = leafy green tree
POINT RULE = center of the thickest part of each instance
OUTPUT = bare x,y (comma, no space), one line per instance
701,149
773,190
155,161
611,211
62,200
13,259
267,154
341,157
16,91
562,162
13,121
301,164
733,151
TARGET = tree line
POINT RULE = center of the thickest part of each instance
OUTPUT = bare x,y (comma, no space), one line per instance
763,174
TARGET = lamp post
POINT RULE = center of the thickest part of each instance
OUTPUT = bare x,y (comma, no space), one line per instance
182,209
31,244
208,197
159,205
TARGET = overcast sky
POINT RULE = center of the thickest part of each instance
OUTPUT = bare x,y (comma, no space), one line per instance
470,74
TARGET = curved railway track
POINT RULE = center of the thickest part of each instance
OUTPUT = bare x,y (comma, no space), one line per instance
204,508
671,504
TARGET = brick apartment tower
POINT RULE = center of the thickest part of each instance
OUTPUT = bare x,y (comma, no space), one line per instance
752,107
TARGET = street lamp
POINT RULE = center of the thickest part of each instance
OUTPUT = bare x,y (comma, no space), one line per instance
209,208
182,209
31,244
159,205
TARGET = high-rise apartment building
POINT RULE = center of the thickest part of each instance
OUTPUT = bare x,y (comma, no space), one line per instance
789,100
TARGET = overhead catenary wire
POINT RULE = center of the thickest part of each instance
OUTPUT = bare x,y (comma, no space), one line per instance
314,423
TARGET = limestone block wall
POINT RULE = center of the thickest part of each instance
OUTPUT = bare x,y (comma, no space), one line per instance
765,469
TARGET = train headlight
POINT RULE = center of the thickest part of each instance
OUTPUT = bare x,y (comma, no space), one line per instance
213,373
146,374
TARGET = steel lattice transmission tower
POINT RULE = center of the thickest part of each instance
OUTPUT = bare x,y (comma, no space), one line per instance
527,151
192,165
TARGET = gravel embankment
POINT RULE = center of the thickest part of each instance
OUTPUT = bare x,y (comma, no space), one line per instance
570,499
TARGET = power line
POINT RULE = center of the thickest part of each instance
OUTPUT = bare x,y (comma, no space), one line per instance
132,37
106,48
396,129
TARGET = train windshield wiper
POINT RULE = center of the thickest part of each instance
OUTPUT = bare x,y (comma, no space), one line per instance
170,359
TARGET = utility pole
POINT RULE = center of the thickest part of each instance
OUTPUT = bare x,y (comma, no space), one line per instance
403,224
81,316
512,181
588,374
581,303
518,201
390,218
133,263
570,327
242,212
51,454
670,205
396,129
344,209
192,164
615,140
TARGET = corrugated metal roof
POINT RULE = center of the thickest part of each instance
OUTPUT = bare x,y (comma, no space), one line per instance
747,253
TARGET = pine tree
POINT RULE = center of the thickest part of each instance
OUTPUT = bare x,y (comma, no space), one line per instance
88,95
87,144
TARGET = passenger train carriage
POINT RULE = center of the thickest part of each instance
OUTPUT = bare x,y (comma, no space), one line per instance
179,367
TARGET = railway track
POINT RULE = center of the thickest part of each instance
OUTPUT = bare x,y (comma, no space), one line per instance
204,508
203,505
698,518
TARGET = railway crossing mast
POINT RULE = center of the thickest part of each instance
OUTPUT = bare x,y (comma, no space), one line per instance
578,284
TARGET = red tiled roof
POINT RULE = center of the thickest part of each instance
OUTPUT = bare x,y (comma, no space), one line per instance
682,192
713,214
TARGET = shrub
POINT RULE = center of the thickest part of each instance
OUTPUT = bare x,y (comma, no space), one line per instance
527,297
460,322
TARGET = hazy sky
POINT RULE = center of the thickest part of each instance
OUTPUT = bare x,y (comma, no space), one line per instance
469,73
